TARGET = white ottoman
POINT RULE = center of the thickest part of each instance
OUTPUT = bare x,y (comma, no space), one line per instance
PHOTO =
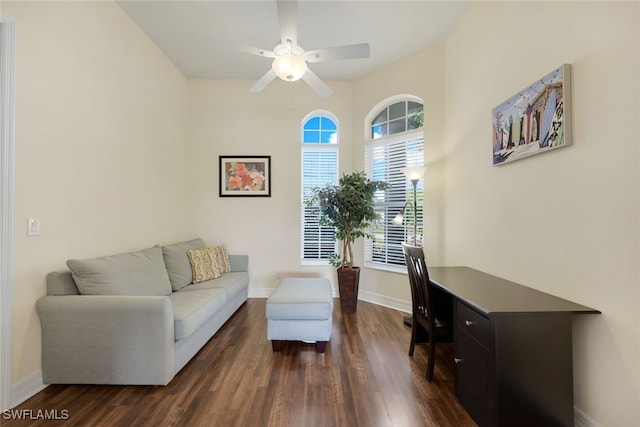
300,309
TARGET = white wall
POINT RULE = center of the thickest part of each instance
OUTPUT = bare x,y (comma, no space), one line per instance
567,221
100,148
227,119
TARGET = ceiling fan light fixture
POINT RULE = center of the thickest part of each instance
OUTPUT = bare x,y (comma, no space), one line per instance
289,67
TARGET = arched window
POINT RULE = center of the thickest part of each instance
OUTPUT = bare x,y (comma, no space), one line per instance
396,118
319,156
394,142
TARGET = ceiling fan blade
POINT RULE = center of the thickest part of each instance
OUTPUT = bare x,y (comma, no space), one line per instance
288,18
316,84
236,46
263,81
352,51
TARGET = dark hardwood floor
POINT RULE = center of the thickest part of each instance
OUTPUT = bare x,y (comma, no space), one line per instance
365,378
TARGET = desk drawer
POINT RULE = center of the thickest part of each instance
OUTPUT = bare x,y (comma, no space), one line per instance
474,324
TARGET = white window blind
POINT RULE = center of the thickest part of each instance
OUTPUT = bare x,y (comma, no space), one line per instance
319,168
384,159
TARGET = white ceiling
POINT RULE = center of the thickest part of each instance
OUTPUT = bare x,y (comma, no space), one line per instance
393,29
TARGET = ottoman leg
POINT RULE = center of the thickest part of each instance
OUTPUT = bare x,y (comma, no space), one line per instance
276,345
320,346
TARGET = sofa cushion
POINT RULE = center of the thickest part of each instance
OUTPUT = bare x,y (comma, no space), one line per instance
139,273
177,262
234,283
192,309
301,299
203,266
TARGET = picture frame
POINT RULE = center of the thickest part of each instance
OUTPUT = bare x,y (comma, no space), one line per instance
535,120
245,176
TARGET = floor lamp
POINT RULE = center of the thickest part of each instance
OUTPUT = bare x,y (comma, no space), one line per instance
413,174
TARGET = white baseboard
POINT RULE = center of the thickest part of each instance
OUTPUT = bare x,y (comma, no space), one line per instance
580,419
24,389
386,301
266,292
372,297
260,292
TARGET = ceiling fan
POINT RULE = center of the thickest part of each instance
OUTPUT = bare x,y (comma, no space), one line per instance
289,59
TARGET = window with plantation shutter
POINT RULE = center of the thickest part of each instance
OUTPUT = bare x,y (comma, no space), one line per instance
396,142
319,168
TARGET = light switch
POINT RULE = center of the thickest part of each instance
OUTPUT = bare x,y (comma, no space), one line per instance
33,226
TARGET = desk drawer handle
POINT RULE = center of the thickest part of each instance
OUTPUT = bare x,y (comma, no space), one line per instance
457,359
469,322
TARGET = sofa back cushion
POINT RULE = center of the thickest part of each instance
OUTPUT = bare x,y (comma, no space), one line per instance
141,273
177,262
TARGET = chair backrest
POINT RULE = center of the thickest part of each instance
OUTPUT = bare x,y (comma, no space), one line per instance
421,288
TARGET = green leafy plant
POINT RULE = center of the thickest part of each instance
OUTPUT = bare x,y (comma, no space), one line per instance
347,207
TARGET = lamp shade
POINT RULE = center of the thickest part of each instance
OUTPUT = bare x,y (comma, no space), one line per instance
289,67
414,172
398,219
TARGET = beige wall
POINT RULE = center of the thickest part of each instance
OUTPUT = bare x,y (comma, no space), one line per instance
567,221
227,119
100,147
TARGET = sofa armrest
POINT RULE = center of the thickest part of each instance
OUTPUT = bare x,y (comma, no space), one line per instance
101,339
239,262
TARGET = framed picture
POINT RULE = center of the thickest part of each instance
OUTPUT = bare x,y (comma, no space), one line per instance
535,120
245,176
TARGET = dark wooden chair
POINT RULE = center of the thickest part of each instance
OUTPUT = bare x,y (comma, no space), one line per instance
427,324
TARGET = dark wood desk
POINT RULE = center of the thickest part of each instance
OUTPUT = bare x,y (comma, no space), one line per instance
513,349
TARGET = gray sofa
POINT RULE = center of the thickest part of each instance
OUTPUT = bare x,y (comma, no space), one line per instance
133,318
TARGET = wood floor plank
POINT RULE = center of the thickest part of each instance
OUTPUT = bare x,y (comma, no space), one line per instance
365,378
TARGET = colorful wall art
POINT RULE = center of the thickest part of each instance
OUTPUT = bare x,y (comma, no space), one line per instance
535,120
245,176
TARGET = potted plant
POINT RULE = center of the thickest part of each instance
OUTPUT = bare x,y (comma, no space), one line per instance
348,208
